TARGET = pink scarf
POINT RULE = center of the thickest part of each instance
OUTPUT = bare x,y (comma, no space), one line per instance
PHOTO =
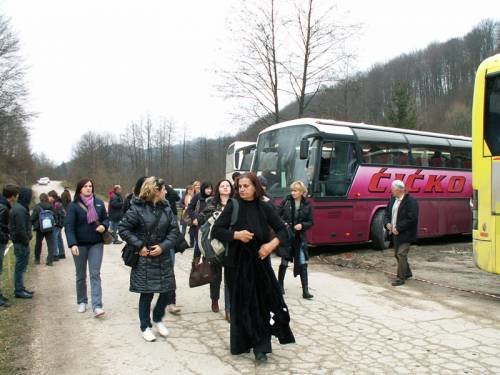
92,216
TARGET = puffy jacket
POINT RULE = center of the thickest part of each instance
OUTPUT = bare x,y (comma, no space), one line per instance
20,222
115,207
78,231
4,220
152,274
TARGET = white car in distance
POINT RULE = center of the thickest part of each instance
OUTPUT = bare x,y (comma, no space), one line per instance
43,181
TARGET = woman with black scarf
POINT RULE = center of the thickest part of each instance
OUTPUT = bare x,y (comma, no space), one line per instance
195,208
257,306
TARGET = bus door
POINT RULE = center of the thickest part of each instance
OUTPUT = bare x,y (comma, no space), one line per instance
333,212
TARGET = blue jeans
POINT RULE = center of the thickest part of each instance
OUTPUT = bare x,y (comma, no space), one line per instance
59,245
145,309
22,253
91,254
301,260
113,226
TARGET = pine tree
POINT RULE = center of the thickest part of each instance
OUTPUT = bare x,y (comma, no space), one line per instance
400,111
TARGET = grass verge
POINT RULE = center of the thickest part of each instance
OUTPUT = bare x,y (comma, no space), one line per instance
15,332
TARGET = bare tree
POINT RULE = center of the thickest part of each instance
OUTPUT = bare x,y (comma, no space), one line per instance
256,76
321,44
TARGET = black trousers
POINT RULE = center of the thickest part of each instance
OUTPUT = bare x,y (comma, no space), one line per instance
215,285
51,243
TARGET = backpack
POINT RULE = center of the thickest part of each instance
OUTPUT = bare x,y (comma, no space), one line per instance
46,220
212,248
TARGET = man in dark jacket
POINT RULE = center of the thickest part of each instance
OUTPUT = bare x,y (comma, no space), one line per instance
20,233
115,209
44,205
401,220
9,198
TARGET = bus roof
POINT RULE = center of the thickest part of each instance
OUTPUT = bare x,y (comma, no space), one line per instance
344,128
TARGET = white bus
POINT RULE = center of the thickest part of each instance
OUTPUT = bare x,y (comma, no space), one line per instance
239,157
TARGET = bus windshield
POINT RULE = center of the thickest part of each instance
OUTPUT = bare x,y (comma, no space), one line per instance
277,158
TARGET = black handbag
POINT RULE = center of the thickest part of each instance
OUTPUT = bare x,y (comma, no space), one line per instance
285,249
130,255
201,274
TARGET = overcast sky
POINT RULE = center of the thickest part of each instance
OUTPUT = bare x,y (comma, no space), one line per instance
98,65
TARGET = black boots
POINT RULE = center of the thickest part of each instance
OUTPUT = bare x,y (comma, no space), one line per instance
305,282
281,277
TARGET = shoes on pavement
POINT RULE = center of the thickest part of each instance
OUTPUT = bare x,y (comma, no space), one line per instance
398,282
4,303
29,291
62,256
173,309
215,305
82,307
98,312
2,297
50,264
23,294
408,276
56,259
162,329
260,357
148,335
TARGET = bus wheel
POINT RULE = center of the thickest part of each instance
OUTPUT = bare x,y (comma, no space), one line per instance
378,234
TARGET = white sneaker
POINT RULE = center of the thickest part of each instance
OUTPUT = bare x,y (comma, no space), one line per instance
82,307
162,329
173,309
98,312
148,335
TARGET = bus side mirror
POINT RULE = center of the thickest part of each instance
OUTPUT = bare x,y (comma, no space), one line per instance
304,149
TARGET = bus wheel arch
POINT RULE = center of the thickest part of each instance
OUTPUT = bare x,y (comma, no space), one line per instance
378,233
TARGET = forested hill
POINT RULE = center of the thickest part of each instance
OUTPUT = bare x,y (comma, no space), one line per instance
430,89
435,83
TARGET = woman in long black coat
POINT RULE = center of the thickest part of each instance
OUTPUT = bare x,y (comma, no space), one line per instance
150,225
257,306
296,211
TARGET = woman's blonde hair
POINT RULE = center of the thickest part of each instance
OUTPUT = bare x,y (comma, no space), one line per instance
299,185
150,187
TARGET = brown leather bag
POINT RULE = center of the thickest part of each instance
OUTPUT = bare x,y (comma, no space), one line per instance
201,274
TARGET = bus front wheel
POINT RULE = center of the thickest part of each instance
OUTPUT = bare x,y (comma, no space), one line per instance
378,233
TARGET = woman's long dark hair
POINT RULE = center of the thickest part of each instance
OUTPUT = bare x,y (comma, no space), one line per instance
259,190
79,187
204,185
217,199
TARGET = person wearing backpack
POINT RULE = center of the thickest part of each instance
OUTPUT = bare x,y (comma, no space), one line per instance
151,228
215,205
43,221
60,215
86,221
195,207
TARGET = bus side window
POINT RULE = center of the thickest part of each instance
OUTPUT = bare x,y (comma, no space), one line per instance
337,167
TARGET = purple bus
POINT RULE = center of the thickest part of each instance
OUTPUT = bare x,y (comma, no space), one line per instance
348,169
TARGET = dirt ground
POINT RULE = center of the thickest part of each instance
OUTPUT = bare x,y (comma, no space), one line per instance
357,323
445,261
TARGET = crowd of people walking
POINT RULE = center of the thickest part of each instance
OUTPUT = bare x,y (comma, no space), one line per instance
244,221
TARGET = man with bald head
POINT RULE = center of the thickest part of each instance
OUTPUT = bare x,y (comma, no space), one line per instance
401,221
